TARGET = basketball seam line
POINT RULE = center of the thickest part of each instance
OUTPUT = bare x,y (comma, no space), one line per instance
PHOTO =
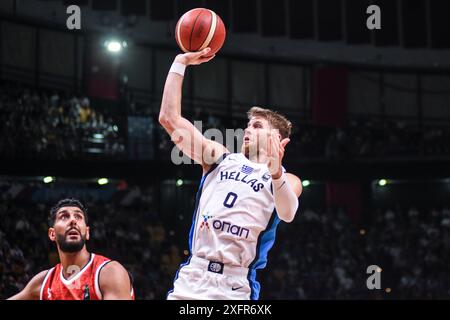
178,31
192,30
212,30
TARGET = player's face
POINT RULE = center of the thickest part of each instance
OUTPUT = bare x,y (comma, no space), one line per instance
256,135
69,231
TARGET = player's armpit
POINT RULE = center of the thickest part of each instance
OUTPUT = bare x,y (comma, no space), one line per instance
212,152
114,282
32,289
192,143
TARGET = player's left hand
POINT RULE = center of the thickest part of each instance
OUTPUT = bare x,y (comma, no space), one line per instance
194,58
275,153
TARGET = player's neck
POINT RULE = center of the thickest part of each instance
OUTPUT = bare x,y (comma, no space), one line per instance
259,157
80,259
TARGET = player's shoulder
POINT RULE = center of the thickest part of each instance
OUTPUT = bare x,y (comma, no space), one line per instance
39,278
114,274
293,177
220,159
98,258
112,268
35,284
235,157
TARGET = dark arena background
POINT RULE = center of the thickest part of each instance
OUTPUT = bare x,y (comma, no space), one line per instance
371,139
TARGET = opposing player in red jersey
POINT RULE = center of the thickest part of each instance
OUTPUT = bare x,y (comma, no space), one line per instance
80,275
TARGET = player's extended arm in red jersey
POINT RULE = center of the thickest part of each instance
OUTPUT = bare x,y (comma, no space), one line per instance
32,289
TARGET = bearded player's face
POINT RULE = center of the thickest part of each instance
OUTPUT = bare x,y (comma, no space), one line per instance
69,230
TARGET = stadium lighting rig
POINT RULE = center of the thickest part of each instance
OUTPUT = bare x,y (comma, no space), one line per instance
114,45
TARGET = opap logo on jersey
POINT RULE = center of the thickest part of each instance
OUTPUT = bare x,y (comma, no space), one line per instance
227,227
205,221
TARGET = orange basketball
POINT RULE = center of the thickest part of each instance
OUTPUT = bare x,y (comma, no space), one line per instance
198,29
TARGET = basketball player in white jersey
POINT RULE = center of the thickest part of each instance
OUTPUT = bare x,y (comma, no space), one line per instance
241,199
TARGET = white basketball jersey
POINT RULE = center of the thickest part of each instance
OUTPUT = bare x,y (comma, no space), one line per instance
235,219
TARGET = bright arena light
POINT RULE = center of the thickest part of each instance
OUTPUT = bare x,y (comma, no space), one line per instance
179,182
102,181
48,179
113,46
382,182
306,183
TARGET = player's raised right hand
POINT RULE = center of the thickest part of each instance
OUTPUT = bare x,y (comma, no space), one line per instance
194,58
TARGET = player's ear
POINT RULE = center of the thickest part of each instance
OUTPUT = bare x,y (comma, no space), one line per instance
51,234
87,233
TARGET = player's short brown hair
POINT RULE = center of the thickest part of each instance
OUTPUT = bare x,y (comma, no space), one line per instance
66,203
275,119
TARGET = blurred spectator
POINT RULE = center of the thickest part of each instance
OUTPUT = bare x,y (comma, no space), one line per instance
42,126
323,254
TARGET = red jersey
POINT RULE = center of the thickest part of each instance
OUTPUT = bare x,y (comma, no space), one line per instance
82,286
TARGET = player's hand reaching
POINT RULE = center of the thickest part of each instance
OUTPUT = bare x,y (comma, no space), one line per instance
275,154
194,58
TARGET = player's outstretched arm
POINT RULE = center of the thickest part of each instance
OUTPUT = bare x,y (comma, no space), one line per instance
286,189
286,186
114,282
32,289
183,133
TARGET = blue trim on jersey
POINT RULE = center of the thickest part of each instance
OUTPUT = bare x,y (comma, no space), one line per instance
197,199
255,287
191,231
194,218
266,239
176,275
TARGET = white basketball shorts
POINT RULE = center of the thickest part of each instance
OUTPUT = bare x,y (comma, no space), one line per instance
201,279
